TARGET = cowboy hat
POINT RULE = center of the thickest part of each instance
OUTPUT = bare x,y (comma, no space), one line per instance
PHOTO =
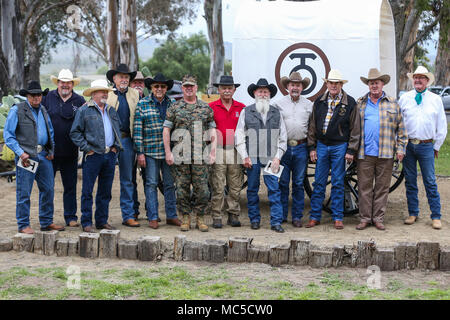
96,85
226,81
159,78
423,71
65,75
33,87
262,83
374,74
334,76
139,76
121,68
295,77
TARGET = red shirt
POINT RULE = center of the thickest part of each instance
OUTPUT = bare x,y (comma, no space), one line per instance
226,120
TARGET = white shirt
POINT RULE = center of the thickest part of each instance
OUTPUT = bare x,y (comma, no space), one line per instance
240,134
424,121
296,116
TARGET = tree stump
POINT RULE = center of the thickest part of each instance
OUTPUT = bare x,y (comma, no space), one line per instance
50,238
320,258
365,251
299,252
6,245
279,254
215,251
23,242
405,255
238,249
89,245
428,255
258,254
39,242
128,250
72,248
193,251
444,259
62,247
178,246
149,248
384,259
108,243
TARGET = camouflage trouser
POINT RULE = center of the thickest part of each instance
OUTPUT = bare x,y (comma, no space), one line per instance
197,175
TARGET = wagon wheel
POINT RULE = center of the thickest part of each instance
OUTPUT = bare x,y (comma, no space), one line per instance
351,186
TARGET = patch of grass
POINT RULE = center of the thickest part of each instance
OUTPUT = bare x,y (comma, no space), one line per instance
442,163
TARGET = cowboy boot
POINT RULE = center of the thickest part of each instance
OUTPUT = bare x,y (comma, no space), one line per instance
186,224
201,224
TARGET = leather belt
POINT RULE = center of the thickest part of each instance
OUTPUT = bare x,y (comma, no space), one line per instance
293,143
417,141
39,148
125,134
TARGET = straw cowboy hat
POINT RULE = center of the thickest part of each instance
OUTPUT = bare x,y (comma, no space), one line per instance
96,85
33,88
423,71
374,74
295,77
334,76
262,83
139,76
121,68
65,75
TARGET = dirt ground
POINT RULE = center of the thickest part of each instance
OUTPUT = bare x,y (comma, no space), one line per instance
322,235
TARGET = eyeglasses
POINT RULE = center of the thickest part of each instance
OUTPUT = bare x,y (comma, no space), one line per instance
35,95
158,86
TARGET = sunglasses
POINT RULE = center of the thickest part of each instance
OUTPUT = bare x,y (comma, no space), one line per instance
34,95
158,86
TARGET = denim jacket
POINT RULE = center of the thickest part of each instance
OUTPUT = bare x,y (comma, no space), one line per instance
87,128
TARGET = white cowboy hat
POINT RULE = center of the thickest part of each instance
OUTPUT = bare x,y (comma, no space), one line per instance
423,71
96,85
334,76
65,75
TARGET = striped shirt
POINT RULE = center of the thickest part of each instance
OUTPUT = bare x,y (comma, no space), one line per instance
332,103
392,132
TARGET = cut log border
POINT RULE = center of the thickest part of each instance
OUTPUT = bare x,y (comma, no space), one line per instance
422,255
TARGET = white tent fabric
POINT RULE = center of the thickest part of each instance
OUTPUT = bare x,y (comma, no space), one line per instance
353,35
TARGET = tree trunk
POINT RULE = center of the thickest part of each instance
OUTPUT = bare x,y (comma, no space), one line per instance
128,42
11,44
32,70
112,32
76,58
213,17
442,63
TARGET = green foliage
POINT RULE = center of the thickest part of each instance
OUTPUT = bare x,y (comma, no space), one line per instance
180,56
7,103
102,70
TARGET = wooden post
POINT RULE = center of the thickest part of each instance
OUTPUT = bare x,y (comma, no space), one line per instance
258,254
178,246
128,250
72,248
149,248
6,245
39,242
89,245
365,250
299,252
384,259
23,242
62,247
108,243
279,254
50,242
238,249
320,258
193,251
215,250
428,255
444,259
405,254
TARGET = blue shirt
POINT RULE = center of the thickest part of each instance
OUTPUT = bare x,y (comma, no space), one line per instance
371,128
9,132
109,134
123,111
162,106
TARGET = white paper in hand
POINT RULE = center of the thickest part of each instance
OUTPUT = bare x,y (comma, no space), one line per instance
268,170
33,165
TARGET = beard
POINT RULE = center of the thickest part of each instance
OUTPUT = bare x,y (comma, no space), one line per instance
65,92
103,101
262,105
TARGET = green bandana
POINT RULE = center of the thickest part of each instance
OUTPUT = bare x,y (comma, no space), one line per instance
419,96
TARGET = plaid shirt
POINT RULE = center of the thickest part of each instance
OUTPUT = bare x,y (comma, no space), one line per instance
332,103
148,128
393,137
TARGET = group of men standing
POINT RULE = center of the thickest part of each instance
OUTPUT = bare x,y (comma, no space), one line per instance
190,143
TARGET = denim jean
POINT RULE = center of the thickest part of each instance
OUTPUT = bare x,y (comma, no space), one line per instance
152,170
294,160
274,195
424,154
135,192
329,157
103,167
68,168
127,187
24,184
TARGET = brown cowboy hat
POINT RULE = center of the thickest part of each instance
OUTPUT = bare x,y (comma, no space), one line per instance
295,77
374,74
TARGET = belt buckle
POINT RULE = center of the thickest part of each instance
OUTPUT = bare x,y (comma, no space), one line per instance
107,149
415,141
39,148
292,143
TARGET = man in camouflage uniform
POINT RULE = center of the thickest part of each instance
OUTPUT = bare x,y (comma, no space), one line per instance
185,122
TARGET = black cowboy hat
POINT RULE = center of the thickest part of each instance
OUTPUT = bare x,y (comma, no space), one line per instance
262,83
33,88
121,68
159,78
226,81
